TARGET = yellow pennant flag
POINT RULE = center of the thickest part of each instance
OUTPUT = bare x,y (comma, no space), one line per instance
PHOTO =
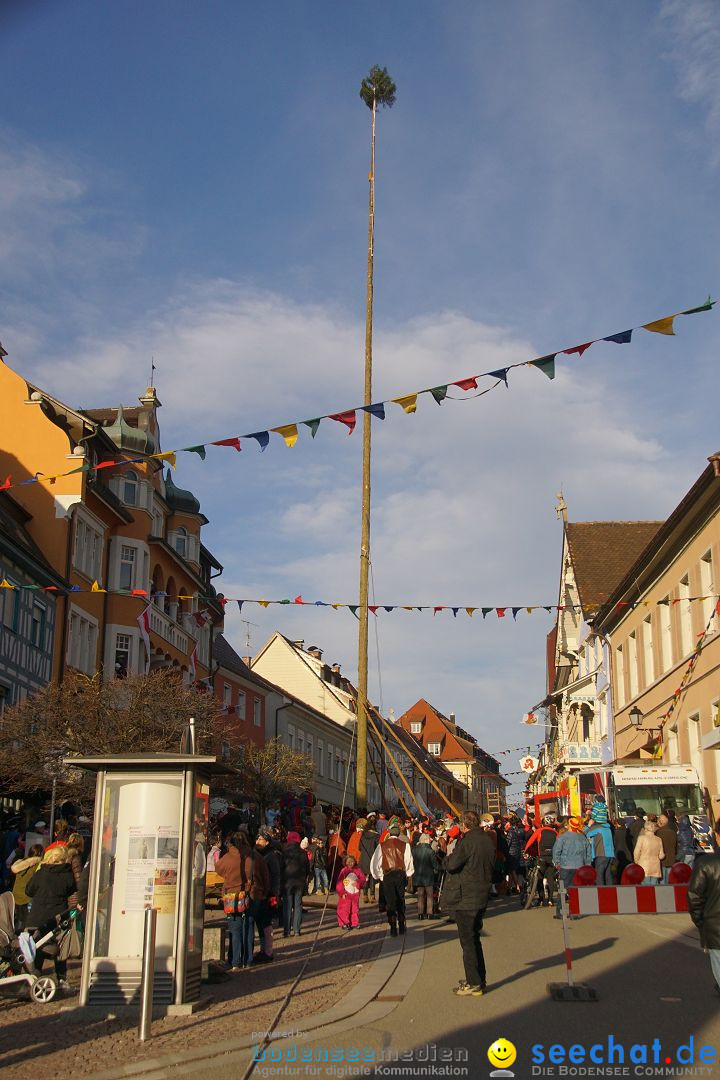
661,326
470,611
336,606
530,610
289,433
264,603
5,584
408,403
96,587
168,455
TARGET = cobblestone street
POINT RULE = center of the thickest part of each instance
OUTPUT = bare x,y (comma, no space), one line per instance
62,1041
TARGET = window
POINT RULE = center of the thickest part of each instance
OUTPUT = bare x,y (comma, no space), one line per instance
181,543
416,727
240,707
123,644
225,750
309,747
648,651
694,730
320,757
37,625
707,588
257,712
291,736
130,488
685,615
5,697
11,607
301,742
127,567
620,676
673,749
632,661
88,549
338,767
666,652
434,749
330,759
227,695
82,643
158,520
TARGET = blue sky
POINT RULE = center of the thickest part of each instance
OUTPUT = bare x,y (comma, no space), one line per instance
189,182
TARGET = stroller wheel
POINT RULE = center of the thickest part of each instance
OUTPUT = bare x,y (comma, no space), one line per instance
44,989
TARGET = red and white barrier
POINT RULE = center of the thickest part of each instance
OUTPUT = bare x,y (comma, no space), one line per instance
627,899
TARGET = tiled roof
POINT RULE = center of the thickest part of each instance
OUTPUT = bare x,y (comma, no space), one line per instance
226,657
13,531
602,552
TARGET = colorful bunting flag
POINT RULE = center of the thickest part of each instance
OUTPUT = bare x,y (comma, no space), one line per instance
661,326
96,587
408,402
439,393
622,338
234,441
262,438
347,418
501,374
289,433
707,306
7,484
167,455
578,349
546,364
377,410
199,450
466,384
313,425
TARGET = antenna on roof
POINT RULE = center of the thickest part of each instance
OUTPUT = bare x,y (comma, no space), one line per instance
246,623
152,370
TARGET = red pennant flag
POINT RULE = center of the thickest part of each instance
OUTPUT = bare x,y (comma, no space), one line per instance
222,600
579,349
373,608
466,384
500,612
139,592
347,418
229,442
298,600
107,464
7,484
436,609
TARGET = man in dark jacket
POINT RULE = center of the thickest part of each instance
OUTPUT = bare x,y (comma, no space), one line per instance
704,906
468,877
295,877
368,842
668,836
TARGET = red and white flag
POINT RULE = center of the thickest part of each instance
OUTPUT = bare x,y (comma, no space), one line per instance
144,624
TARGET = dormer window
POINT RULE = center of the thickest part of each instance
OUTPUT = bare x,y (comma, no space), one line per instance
416,727
130,488
434,749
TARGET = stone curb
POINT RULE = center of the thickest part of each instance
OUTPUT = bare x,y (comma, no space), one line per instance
394,972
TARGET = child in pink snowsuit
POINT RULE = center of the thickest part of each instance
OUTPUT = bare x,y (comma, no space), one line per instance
350,883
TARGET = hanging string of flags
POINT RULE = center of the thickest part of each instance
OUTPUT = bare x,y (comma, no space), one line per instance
689,671
407,402
436,609
516,749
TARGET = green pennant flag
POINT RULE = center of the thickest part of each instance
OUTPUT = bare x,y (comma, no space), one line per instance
546,364
353,608
707,306
439,393
283,601
313,425
83,468
199,450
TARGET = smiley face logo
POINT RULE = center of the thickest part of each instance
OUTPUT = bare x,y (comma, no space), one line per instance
502,1053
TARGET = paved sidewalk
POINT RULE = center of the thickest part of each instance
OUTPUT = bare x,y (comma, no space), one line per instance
63,1041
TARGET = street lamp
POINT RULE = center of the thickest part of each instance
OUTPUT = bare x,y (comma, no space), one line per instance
635,717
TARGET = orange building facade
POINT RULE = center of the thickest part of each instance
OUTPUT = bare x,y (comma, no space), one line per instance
124,536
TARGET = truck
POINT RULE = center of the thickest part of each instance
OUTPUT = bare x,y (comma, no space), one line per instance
650,786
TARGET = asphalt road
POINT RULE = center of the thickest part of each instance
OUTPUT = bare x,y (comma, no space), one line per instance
652,981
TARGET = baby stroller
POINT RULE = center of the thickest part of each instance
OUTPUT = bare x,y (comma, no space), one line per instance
17,952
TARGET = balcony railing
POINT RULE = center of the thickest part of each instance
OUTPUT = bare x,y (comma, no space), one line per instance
168,630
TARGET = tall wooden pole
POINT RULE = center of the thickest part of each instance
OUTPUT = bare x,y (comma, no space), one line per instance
362,739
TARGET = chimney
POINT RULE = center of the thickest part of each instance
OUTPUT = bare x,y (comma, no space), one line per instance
247,660
336,668
299,644
313,650
452,718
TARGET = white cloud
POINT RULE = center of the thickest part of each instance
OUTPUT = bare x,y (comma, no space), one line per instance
695,51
